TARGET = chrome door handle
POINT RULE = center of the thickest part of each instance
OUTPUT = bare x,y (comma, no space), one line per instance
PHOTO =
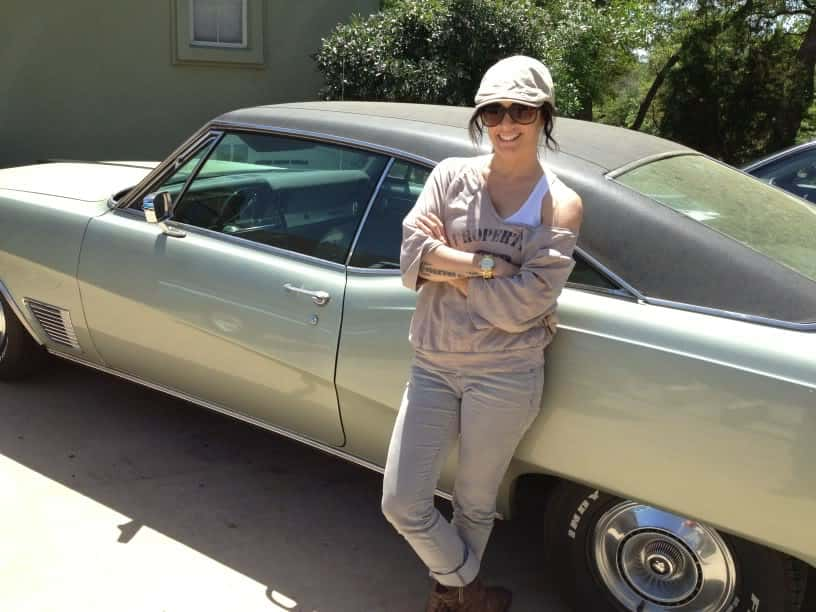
321,298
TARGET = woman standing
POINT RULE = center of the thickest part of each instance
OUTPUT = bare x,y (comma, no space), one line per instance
489,247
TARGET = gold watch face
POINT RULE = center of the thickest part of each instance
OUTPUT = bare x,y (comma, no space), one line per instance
487,263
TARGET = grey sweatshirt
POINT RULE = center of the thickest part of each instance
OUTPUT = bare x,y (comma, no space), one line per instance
503,323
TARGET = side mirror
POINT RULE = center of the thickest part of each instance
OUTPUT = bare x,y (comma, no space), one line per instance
157,206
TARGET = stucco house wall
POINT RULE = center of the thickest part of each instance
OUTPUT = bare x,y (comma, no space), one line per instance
111,79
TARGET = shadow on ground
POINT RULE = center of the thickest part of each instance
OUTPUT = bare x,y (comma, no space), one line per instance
296,520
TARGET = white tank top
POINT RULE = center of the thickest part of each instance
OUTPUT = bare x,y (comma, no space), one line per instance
530,212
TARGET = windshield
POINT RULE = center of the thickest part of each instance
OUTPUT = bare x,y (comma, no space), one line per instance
768,220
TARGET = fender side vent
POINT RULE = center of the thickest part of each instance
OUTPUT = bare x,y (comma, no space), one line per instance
55,322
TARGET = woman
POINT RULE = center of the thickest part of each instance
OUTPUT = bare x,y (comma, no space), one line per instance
489,247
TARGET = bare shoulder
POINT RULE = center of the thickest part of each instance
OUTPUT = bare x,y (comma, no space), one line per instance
569,207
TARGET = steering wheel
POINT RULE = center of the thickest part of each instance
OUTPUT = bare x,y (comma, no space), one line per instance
254,206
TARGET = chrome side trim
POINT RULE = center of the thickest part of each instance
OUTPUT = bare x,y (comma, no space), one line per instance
19,314
322,136
330,450
808,327
371,201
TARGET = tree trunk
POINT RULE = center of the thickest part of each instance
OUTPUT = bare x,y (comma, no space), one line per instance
738,15
789,118
585,113
650,96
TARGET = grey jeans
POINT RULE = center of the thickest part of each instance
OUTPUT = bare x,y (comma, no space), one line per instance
489,412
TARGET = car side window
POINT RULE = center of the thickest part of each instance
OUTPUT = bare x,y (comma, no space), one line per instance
175,181
379,244
584,274
796,174
299,195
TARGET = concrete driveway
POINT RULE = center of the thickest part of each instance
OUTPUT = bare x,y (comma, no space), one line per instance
116,498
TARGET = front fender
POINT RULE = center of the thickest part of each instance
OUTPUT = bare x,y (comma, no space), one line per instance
40,242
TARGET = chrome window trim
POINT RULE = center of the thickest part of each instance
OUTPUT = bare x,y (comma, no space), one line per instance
614,174
795,150
605,291
324,137
243,242
331,450
258,246
183,159
374,271
617,293
727,314
19,313
371,201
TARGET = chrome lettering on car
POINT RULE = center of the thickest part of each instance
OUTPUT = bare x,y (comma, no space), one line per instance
576,518
754,603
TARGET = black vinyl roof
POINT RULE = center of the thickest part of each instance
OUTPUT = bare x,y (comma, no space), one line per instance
416,128
658,251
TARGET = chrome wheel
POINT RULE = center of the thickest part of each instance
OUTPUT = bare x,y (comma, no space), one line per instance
653,560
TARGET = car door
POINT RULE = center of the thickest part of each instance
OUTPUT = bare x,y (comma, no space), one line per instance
236,301
690,408
377,315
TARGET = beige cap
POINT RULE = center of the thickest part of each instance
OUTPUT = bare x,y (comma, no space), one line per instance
519,79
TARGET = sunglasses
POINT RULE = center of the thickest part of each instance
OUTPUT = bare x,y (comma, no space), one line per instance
493,114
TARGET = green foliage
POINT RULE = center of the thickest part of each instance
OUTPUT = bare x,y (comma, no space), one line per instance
595,43
807,130
736,87
735,78
431,51
435,51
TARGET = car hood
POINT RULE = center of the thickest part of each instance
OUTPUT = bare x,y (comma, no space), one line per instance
89,182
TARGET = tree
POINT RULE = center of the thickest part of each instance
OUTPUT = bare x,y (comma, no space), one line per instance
596,42
739,78
432,51
435,51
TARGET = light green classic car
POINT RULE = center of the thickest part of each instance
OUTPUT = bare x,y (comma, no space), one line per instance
255,272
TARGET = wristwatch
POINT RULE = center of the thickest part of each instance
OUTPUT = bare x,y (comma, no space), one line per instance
487,264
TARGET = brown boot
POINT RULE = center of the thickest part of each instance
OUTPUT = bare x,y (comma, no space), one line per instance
443,599
476,597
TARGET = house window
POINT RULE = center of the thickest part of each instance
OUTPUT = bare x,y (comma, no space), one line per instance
218,23
223,32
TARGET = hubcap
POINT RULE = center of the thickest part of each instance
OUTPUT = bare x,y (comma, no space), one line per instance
653,560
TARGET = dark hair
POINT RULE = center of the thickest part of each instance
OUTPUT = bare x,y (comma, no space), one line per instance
476,128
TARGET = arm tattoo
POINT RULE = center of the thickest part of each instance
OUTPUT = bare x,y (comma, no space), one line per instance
430,272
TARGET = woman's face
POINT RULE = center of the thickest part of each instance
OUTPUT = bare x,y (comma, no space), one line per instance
515,139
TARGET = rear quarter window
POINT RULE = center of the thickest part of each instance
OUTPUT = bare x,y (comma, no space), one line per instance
780,226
